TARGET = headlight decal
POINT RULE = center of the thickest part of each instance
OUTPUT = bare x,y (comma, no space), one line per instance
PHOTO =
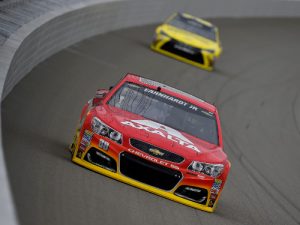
102,129
213,170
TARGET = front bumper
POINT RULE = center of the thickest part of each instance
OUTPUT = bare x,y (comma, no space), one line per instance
185,53
121,164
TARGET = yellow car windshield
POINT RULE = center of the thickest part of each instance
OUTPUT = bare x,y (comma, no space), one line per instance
193,26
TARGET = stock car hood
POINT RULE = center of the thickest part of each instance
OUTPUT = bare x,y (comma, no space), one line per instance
159,135
189,38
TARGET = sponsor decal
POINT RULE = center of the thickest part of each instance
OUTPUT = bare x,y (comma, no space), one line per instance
165,96
200,176
87,136
213,196
155,83
155,160
103,144
214,192
211,203
86,140
193,189
164,131
216,186
183,104
185,48
79,153
156,152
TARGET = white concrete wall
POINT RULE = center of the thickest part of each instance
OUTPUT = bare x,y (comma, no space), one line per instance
55,30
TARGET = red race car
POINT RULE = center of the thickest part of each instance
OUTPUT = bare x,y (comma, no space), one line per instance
156,138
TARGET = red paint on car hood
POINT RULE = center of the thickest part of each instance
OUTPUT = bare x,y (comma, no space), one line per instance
135,126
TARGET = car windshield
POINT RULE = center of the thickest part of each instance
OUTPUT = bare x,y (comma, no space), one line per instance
193,26
167,110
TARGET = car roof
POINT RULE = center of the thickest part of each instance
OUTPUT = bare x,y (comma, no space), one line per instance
169,90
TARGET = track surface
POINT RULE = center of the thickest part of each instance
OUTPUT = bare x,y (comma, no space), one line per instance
255,86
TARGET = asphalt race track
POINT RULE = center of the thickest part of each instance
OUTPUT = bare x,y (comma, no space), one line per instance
256,86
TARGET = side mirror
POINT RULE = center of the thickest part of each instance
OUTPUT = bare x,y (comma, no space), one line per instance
100,94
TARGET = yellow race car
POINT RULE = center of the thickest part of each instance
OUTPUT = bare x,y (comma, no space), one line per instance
189,39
